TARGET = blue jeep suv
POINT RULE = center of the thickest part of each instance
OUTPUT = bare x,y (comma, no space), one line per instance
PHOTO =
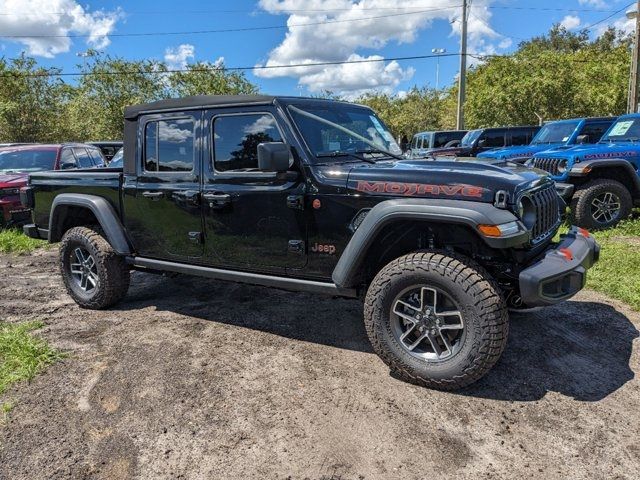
558,134
601,181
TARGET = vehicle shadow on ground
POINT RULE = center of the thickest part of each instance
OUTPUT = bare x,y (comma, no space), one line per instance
578,349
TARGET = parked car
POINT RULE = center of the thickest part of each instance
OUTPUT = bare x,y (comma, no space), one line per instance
18,161
313,195
108,147
558,134
425,141
482,139
602,181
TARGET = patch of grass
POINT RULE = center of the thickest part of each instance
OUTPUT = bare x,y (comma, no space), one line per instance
22,355
14,241
617,274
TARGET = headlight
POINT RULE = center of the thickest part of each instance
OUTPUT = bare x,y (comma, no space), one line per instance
562,166
6,192
520,209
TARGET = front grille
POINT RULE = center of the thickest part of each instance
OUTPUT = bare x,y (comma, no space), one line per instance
546,203
548,164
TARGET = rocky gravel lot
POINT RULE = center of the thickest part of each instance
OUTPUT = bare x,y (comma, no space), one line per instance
195,379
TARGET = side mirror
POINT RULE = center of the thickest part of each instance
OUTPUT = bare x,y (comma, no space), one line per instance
582,139
274,157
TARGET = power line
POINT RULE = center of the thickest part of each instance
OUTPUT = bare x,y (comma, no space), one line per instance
215,69
589,27
229,30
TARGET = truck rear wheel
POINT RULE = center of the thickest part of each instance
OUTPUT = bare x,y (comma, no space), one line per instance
94,274
600,204
436,319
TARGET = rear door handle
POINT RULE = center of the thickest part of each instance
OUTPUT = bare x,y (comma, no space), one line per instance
217,200
153,195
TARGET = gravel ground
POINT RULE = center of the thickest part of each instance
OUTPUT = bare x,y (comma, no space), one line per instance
194,379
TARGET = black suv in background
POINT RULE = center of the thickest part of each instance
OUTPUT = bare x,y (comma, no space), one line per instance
483,139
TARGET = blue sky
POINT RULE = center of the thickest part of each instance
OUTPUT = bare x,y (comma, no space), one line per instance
390,28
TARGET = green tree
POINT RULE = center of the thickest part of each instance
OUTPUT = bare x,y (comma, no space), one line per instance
205,78
31,102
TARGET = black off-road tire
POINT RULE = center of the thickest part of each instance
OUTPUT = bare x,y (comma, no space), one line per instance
480,302
112,271
582,198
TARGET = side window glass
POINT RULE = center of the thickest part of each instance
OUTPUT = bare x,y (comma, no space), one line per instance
236,139
519,137
96,157
67,159
169,145
595,131
494,139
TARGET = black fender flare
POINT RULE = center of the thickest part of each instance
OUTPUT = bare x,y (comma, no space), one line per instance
101,209
578,168
458,212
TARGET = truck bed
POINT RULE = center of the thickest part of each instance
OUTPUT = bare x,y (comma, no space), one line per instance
104,182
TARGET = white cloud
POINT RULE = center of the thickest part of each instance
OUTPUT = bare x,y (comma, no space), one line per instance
54,19
570,22
593,3
178,57
355,25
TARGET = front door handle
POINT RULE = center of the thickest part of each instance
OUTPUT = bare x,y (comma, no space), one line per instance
217,200
153,195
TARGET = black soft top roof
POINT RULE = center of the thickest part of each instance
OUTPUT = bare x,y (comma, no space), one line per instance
204,101
199,101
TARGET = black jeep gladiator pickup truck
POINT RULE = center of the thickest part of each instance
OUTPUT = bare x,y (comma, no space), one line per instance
313,195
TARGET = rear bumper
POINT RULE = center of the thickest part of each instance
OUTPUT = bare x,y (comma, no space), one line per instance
565,190
561,272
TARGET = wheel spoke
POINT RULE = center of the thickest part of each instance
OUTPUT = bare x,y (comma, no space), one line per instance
423,299
447,346
408,332
90,262
417,342
79,255
407,316
434,344
93,279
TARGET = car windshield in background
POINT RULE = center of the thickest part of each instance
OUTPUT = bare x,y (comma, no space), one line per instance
556,132
623,131
345,131
470,137
27,160
116,161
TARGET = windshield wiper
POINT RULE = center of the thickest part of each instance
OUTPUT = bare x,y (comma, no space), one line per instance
340,153
383,152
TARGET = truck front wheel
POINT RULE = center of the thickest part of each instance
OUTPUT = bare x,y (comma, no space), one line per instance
436,319
94,274
601,203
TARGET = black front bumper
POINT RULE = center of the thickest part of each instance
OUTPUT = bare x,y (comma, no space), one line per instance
561,272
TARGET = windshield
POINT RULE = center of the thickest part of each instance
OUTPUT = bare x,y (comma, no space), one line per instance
555,132
342,129
27,160
116,161
470,137
626,130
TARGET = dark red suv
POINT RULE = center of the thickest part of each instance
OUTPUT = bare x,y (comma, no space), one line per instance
18,161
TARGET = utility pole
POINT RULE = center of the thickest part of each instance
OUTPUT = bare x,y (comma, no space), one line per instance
462,80
632,103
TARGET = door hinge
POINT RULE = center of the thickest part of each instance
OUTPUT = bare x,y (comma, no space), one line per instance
195,237
296,246
296,202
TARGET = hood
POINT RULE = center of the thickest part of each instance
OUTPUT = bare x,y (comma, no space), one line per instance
523,151
453,179
15,180
594,151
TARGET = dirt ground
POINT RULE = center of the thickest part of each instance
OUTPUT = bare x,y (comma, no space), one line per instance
194,379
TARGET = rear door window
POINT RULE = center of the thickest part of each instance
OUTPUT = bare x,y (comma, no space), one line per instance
96,157
170,145
84,160
67,159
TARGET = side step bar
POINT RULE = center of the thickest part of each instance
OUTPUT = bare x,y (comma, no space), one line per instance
285,283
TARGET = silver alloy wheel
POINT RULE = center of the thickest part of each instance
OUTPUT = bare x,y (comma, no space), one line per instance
427,323
605,207
84,270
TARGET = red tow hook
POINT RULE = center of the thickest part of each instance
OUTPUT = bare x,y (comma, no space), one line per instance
584,232
566,253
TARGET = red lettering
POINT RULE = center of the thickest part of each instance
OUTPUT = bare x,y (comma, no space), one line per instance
377,187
